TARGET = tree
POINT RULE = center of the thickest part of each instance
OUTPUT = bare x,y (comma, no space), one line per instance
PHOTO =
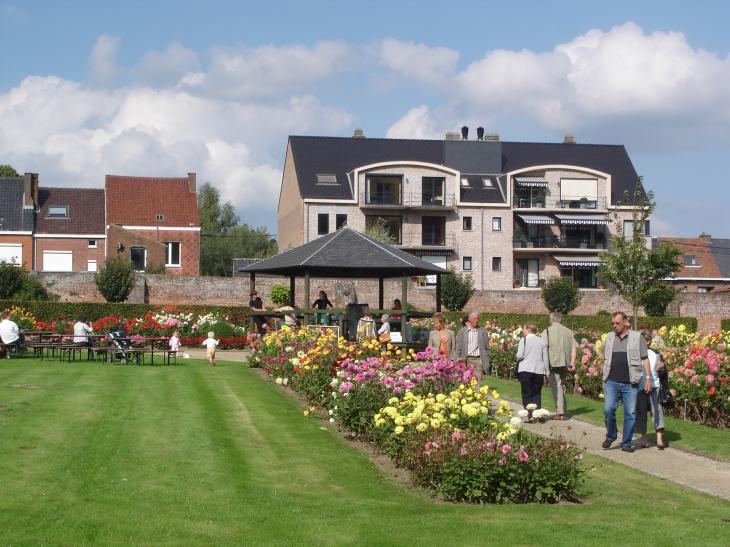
8,171
11,279
561,294
656,300
632,269
115,280
380,230
222,238
456,290
280,295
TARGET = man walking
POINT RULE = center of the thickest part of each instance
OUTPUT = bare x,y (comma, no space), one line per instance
626,360
561,347
472,346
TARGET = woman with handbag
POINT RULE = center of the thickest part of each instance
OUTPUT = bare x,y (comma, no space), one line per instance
532,368
384,331
650,401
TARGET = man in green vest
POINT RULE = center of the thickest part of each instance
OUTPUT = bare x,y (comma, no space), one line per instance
562,347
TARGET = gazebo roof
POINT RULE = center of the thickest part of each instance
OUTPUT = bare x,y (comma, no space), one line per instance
345,253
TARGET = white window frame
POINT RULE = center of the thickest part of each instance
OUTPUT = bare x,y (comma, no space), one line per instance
168,253
145,256
19,255
56,253
463,263
89,264
92,244
498,221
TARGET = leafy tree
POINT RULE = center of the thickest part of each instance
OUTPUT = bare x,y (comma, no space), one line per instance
8,171
223,238
456,290
11,279
561,294
380,230
656,300
115,280
280,295
632,269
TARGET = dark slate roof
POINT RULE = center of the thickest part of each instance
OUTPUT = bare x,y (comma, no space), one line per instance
345,253
340,155
239,263
720,249
13,216
477,192
85,211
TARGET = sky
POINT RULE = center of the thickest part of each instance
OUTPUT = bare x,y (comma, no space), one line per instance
163,88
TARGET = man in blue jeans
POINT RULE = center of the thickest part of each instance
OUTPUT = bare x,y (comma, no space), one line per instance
626,360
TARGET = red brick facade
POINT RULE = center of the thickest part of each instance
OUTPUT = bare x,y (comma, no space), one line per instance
189,248
27,251
79,248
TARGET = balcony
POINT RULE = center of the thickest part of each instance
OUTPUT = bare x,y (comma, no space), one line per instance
541,202
410,200
444,242
553,242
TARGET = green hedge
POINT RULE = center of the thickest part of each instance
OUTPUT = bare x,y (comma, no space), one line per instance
578,323
49,311
725,324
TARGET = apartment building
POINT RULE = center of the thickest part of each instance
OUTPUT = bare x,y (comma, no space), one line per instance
705,263
511,214
18,199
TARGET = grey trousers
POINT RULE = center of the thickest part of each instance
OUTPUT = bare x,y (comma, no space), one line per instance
476,364
644,402
558,388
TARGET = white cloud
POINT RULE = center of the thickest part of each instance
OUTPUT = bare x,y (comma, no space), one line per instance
416,124
165,67
103,67
418,62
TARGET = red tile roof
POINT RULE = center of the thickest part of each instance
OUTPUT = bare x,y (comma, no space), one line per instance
85,211
699,247
136,201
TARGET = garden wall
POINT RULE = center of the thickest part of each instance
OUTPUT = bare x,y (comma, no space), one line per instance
709,309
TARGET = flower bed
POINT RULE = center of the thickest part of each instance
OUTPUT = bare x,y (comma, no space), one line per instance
427,413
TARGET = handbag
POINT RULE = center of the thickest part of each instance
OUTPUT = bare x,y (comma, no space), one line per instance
384,338
666,399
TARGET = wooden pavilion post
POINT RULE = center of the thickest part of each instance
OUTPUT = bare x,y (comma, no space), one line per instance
292,290
404,305
380,292
307,298
251,288
438,292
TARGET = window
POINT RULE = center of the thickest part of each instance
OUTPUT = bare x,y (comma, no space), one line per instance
496,263
92,244
467,224
433,191
527,272
328,180
690,260
384,189
59,211
340,221
433,230
466,264
172,255
393,224
57,261
487,182
704,290
464,182
159,217
11,253
323,224
496,224
91,265
138,257
629,229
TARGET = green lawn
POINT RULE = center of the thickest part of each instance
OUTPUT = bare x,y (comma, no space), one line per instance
681,434
195,455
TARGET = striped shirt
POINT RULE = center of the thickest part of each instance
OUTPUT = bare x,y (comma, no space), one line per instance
472,342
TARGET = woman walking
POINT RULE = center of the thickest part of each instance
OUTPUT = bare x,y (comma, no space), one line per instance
441,339
533,370
650,401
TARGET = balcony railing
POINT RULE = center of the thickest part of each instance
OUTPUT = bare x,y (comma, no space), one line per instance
556,203
410,200
416,240
553,242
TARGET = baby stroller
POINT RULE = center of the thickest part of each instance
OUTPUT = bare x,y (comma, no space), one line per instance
121,345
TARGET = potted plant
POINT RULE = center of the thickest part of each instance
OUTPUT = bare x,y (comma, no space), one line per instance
540,202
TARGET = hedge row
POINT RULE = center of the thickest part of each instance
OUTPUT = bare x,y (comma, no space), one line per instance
50,311
725,324
579,323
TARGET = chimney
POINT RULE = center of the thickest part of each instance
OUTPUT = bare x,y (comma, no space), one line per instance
191,183
464,133
569,139
453,136
492,137
30,189
480,133
705,238
358,134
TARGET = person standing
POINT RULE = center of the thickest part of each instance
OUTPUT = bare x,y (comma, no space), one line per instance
441,339
10,334
561,348
256,304
532,372
322,303
366,326
472,345
646,401
626,371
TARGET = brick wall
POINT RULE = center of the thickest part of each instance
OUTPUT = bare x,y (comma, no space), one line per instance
709,309
189,248
81,253
128,239
27,242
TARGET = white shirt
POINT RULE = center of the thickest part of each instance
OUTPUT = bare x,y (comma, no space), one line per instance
174,343
385,327
654,360
210,343
80,332
9,331
472,342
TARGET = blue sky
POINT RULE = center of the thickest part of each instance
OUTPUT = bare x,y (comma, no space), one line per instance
162,88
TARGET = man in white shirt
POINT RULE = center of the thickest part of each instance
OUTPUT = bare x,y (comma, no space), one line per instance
10,334
81,332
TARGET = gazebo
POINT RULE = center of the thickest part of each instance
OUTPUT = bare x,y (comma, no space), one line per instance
346,253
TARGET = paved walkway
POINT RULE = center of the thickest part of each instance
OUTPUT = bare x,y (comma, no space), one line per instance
690,470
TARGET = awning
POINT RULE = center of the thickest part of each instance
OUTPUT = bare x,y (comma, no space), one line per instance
536,219
583,219
540,182
578,260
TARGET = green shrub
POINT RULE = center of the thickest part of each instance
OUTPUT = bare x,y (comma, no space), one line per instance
222,329
115,280
456,290
280,295
725,324
16,283
656,299
561,294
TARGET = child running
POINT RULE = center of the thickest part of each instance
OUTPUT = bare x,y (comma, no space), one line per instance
210,343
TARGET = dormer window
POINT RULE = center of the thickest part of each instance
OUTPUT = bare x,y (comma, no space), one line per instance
487,182
465,182
159,217
326,179
58,211
690,260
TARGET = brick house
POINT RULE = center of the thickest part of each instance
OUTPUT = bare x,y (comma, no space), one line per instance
509,213
154,222
69,230
18,199
705,263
